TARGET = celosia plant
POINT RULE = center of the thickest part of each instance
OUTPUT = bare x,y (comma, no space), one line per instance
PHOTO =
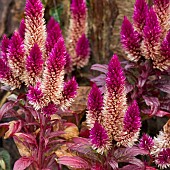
112,124
34,61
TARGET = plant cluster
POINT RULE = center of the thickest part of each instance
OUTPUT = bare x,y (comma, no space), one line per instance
35,66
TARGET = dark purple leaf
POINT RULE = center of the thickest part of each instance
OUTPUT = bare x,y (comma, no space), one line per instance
100,67
28,138
164,87
14,127
83,149
99,80
74,162
113,163
129,88
79,140
161,113
5,108
141,82
127,65
122,153
153,102
136,162
55,134
23,163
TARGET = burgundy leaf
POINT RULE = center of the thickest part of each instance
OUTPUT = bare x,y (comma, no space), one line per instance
5,108
14,127
74,162
100,67
28,138
113,163
129,88
161,113
83,149
23,163
99,80
164,87
136,162
56,134
79,140
153,102
128,152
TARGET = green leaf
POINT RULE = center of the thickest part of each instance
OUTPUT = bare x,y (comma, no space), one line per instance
4,159
56,13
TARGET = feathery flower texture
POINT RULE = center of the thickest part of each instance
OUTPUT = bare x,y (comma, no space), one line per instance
99,138
24,59
163,158
35,31
77,43
161,148
146,142
110,112
139,15
95,104
6,75
131,125
148,33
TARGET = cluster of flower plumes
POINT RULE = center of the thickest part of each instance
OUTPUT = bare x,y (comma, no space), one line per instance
148,36
37,58
77,42
113,123
109,117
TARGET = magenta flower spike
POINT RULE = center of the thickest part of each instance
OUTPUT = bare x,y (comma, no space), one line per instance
78,27
4,48
6,75
50,109
163,158
54,72
35,31
131,40
151,34
78,7
82,51
162,9
114,100
131,124
51,24
146,142
22,29
99,138
164,62
95,106
139,15
36,96
16,55
132,121
33,66
69,92
53,34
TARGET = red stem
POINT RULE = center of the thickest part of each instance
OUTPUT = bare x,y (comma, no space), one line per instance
40,141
